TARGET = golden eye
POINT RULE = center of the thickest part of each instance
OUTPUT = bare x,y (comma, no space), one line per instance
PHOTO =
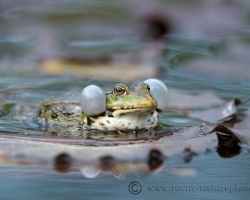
119,90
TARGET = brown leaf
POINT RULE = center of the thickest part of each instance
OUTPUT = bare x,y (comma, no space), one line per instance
245,121
231,140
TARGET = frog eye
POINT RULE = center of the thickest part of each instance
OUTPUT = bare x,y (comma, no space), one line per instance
159,92
54,115
93,100
119,90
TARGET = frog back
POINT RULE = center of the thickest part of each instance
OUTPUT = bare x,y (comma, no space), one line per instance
60,112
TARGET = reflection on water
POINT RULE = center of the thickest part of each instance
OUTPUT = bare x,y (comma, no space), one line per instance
63,163
26,179
56,152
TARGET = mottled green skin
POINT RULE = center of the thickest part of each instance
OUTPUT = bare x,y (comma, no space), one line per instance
56,113
66,111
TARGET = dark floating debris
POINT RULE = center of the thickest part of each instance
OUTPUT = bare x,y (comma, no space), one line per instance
107,162
228,142
63,163
188,155
157,24
155,159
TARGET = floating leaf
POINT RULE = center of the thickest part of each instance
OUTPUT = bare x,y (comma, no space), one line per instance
244,123
218,114
62,155
183,100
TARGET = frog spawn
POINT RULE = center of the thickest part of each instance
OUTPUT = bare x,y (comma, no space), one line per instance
93,103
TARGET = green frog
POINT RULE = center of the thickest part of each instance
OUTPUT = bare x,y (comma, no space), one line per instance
123,108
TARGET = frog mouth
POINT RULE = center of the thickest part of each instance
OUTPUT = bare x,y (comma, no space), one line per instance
135,107
131,110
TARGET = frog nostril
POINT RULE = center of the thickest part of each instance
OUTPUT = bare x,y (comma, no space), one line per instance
67,114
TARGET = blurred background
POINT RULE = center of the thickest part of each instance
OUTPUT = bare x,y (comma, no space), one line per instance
50,47
66,37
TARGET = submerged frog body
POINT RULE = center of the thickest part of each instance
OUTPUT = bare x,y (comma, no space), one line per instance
124,108
60,113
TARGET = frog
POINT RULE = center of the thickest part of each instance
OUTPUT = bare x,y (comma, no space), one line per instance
58,113
123,108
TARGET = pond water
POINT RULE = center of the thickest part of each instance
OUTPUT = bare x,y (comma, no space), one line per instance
216,179
205,177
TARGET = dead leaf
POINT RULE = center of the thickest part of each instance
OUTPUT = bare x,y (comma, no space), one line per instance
181,99
231,140
245,121
218,114
28,150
